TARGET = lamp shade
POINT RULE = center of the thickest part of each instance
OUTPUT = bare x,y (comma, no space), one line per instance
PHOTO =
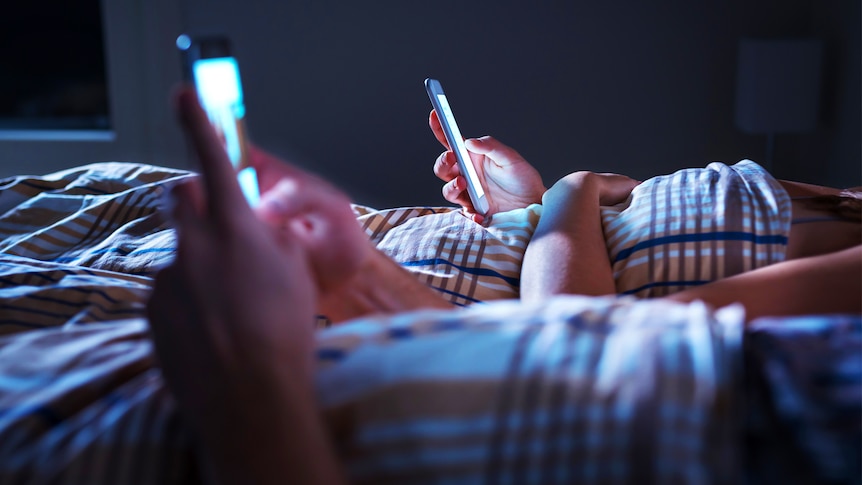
778,85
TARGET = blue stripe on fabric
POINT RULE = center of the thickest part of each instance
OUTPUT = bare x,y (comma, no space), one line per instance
449,325
434,428
537,420
400,333
709,236
474,271
455,294
406,333
331,355
397,333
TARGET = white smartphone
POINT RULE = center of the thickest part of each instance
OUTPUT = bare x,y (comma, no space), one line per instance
456,143
209,64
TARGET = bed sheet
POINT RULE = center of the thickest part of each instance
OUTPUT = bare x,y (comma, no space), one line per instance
80,397
592,390
82,245
503,391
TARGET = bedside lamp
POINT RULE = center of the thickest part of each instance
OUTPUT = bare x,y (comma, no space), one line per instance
778,88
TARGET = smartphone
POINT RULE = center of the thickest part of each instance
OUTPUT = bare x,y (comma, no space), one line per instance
456,143
210,65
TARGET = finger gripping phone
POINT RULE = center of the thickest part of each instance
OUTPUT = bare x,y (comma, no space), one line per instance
210,65
456,143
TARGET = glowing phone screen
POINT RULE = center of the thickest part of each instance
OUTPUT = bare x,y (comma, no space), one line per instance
220,92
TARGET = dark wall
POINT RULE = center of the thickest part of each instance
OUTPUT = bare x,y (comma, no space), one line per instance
636,87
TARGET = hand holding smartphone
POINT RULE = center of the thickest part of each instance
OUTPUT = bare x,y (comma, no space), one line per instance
456,143
209,64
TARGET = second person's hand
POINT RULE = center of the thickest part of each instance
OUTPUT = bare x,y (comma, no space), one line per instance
510,181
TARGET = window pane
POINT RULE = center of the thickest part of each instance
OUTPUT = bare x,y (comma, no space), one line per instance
52,66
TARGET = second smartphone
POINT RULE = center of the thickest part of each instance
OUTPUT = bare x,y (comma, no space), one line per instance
209,64
456,143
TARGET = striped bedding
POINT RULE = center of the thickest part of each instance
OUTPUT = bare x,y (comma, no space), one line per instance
666,238
570,390
81,245
80,399
466,262
695,226
574,389
100,226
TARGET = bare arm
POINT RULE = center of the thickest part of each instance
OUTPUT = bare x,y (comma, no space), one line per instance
231,320
568,253
830,283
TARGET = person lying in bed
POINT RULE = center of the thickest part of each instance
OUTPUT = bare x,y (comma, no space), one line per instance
230,317
730,219
746,226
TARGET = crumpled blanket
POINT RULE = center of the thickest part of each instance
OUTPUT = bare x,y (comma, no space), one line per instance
571,389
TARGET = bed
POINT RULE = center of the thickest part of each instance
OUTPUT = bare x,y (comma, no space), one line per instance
499,392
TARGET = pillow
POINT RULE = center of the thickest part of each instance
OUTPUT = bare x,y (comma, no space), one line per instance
465,261
695,226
